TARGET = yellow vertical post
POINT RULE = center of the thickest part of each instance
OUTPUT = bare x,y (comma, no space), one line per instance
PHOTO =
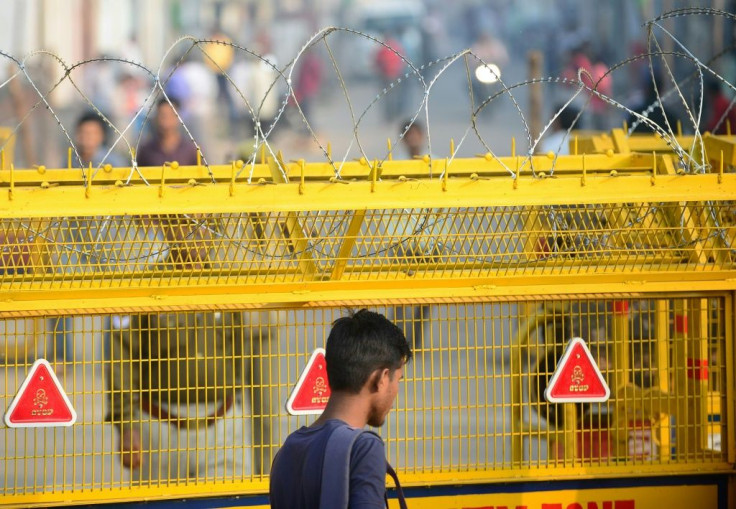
88,186
620,141
620,337
570,433
232,178
698,372
621,371
11,190
691,376
730,406
517,415
679,342
662,330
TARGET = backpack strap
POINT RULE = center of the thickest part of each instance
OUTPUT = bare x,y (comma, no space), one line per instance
335,487
399,492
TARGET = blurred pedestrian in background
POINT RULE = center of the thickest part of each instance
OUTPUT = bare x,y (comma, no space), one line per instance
390,66
167,144
219,56
722,111
308,82
194,87
257,93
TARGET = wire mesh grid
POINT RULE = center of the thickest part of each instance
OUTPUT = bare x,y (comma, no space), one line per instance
206,392
434,243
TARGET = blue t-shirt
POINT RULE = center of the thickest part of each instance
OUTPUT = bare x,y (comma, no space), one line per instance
296,479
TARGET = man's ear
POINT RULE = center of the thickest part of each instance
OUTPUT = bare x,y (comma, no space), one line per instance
378,379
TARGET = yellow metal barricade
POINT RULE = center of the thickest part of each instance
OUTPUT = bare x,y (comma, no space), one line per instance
195,300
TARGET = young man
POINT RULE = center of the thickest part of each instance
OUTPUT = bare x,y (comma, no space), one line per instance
90,140
365,356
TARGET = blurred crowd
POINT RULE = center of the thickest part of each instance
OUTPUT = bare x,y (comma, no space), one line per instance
225,95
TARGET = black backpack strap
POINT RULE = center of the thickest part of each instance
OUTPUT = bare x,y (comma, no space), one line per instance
399,492
335,487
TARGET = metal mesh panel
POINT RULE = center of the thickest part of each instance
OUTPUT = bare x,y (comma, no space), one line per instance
470,403
272,248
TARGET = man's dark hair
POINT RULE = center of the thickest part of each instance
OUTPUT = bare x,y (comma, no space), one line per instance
408,125
170,101
360,344
93,116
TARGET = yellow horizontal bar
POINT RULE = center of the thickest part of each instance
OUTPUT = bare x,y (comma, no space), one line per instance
555,473
636,142
137,494
460,192
482,166
30,303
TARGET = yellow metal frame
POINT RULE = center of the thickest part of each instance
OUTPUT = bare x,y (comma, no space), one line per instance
475,182
286,192
7,147
471,183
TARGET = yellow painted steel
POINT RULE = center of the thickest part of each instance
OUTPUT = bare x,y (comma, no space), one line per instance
270,221
618,142
7,147
488,275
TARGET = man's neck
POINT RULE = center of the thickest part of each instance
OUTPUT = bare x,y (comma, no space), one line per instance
349,408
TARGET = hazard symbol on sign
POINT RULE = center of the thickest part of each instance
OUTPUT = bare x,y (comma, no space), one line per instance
40,402
312,391
577,378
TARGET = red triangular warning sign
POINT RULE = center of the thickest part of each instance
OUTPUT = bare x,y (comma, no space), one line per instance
40,402
577,378
312,391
